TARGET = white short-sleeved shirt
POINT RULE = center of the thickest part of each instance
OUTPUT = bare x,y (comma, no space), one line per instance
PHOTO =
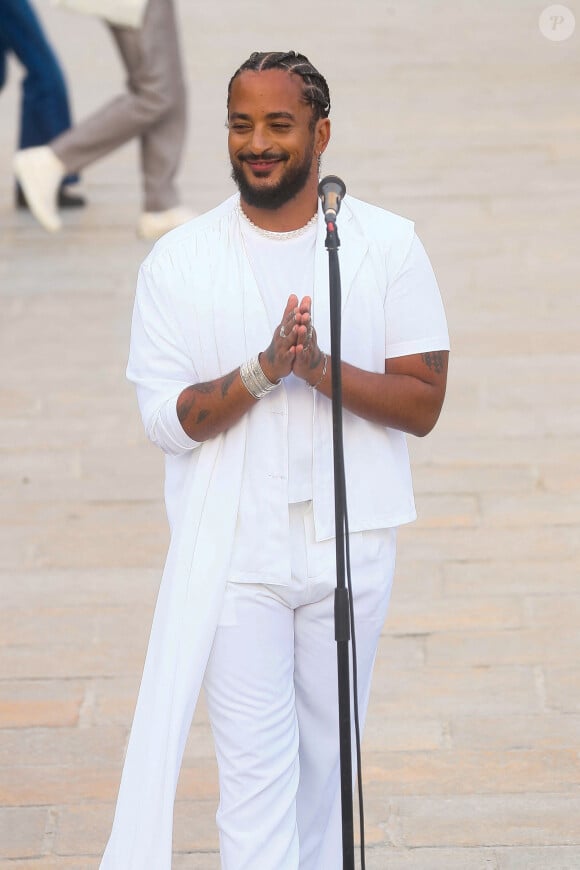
198,314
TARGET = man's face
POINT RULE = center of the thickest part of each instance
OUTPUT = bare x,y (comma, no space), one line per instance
272,137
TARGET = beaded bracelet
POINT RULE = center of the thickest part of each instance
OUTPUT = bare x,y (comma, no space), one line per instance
254,379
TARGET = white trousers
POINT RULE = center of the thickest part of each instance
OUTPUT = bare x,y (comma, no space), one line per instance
271,687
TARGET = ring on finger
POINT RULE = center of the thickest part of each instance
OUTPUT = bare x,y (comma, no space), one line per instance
283,333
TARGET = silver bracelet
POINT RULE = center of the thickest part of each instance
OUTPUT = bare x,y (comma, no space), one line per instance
321,378
254,379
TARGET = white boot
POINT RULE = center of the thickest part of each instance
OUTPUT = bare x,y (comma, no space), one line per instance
154,224
40,173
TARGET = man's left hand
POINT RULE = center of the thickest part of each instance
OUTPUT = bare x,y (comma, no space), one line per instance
309,358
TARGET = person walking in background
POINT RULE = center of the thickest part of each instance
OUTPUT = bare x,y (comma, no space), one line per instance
44,105
154,108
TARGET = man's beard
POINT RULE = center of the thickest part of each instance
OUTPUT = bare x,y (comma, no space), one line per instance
274,197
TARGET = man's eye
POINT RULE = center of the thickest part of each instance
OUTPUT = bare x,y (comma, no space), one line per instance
281,126
239,128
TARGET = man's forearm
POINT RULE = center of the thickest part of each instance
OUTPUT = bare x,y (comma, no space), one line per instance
410,402
408,396
207,409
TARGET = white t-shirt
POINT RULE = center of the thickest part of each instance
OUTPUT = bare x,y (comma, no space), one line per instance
283,263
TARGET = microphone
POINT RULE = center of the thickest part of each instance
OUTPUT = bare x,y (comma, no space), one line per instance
331,191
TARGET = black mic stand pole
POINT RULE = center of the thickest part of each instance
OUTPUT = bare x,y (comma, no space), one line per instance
341,599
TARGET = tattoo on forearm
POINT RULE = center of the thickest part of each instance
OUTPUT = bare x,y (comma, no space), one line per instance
227,382
188,400
433,360
207,387
185,404
189,397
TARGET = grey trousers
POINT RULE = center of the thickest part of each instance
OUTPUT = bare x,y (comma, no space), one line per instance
154,108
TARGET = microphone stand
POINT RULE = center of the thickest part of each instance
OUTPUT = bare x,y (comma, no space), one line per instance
341,599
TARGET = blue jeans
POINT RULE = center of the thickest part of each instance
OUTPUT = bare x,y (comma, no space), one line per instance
44,106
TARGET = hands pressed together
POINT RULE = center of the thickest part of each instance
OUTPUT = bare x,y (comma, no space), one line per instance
294,346
407,395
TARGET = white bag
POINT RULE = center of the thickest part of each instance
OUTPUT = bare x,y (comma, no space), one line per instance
124,13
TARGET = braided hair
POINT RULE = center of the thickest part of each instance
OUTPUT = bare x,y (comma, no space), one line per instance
314,89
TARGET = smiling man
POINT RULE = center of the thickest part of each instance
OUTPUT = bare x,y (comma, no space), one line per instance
229,355
272,149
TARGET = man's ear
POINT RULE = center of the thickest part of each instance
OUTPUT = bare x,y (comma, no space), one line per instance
322,135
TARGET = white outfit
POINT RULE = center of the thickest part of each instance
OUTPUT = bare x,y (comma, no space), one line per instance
198,315
284,264
279,769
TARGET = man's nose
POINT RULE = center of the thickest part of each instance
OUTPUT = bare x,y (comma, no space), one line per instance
260,141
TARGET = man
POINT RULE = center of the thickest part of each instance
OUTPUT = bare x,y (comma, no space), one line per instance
229,354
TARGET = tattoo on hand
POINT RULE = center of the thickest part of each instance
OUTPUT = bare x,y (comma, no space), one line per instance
203,414
433,360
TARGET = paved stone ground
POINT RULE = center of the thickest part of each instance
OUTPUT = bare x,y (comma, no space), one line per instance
464,117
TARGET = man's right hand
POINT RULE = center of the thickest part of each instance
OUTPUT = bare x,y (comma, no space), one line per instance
277,361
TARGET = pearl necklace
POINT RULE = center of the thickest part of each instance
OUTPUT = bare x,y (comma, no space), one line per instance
278,237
